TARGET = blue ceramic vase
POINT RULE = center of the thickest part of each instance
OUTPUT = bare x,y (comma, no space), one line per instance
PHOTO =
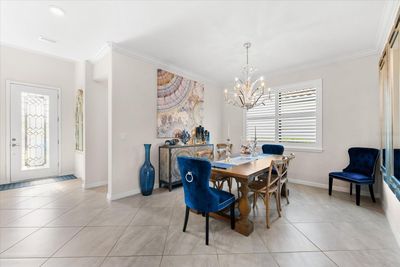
147,174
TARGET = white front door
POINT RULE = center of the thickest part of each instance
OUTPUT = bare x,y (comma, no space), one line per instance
33,132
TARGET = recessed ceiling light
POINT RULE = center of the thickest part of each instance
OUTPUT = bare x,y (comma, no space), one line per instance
57,11
46,40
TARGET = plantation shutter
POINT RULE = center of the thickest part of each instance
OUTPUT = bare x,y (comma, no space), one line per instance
263,117
297,116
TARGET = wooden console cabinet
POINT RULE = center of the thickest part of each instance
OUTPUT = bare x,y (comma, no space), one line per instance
168,166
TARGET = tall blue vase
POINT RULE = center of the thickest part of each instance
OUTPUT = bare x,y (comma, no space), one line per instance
147,174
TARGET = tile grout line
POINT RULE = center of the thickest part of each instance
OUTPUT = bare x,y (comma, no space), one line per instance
39,228
313,243
63,245
169,225
119,238
68,210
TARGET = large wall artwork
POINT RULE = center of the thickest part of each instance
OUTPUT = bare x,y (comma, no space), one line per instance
179,104
79,120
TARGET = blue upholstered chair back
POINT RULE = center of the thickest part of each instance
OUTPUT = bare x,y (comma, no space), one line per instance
273,149
362,160
195,174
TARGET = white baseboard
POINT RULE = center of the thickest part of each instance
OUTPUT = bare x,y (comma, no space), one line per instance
126,194
326,186
122,195
94,184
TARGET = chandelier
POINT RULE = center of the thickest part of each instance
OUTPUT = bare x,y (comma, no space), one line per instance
247,94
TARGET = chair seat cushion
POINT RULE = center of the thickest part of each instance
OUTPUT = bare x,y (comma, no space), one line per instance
352,177
225,199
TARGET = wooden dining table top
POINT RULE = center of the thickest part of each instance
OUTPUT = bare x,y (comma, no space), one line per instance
248,170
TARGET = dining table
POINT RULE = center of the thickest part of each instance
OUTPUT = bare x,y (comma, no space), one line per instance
243,169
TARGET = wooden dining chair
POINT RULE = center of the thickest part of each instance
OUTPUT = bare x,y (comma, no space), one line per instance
221,150
219,181
208,154
284,181
266,188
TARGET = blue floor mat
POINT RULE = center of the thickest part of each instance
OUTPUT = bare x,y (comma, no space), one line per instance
36,182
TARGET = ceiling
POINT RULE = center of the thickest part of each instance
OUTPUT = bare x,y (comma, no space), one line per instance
202,37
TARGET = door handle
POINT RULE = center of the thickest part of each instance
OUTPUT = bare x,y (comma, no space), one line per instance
13,145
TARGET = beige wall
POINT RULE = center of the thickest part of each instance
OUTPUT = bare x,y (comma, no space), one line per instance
132,109
350,117
30,67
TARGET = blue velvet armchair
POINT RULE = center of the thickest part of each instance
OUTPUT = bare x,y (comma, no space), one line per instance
360,171
199,196
273,149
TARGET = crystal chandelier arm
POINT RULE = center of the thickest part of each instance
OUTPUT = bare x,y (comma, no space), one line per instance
241,98
255,82
255,102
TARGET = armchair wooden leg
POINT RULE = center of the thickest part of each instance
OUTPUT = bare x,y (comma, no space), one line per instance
358,191
186,218
266,201
232,215
278,205
330,185
287,193
351,189
371,191
207,227
279,198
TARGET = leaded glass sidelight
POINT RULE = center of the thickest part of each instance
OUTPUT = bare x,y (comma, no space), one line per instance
35,131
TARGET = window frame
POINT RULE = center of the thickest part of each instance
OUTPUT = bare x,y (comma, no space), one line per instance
310,147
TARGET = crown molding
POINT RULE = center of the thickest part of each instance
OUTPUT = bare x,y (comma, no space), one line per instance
41,53
103,51
162,65
320,63
387,20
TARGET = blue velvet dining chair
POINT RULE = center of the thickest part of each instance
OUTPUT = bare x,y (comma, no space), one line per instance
199,196
273,149
360,171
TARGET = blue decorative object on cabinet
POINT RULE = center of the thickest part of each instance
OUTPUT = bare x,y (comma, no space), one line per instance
185,137
147,174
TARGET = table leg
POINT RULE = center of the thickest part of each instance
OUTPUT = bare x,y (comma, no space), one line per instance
243,224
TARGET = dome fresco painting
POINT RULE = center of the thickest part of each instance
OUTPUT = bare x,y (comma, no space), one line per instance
179,104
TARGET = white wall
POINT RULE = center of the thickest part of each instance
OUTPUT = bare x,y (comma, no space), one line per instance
132,110
30,67
391,205
350,117
96,125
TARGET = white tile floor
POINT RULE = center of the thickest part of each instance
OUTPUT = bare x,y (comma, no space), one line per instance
60,224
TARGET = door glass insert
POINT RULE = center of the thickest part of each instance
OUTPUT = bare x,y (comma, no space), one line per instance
35,131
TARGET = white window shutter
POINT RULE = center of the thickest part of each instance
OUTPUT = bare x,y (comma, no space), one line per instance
262,117
292,116
297,121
